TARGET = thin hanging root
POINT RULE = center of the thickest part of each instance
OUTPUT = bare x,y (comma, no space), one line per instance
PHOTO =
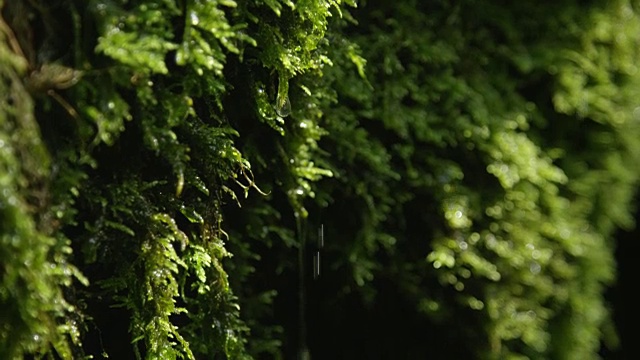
60,82
76,117
64,103
250,180
233,194
222,232
13,41
243,186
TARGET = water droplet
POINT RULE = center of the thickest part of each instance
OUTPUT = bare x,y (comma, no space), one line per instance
283,106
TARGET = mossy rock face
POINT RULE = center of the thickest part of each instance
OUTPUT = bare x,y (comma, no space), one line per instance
164,166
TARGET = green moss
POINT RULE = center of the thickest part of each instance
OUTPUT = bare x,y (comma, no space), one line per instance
166,159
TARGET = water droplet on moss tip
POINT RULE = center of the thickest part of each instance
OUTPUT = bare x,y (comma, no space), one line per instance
283,106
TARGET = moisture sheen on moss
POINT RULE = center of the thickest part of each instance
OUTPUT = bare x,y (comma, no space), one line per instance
163,166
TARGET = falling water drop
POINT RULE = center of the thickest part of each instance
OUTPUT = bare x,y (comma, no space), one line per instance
283,106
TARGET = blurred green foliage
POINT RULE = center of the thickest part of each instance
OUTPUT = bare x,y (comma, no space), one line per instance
166,160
